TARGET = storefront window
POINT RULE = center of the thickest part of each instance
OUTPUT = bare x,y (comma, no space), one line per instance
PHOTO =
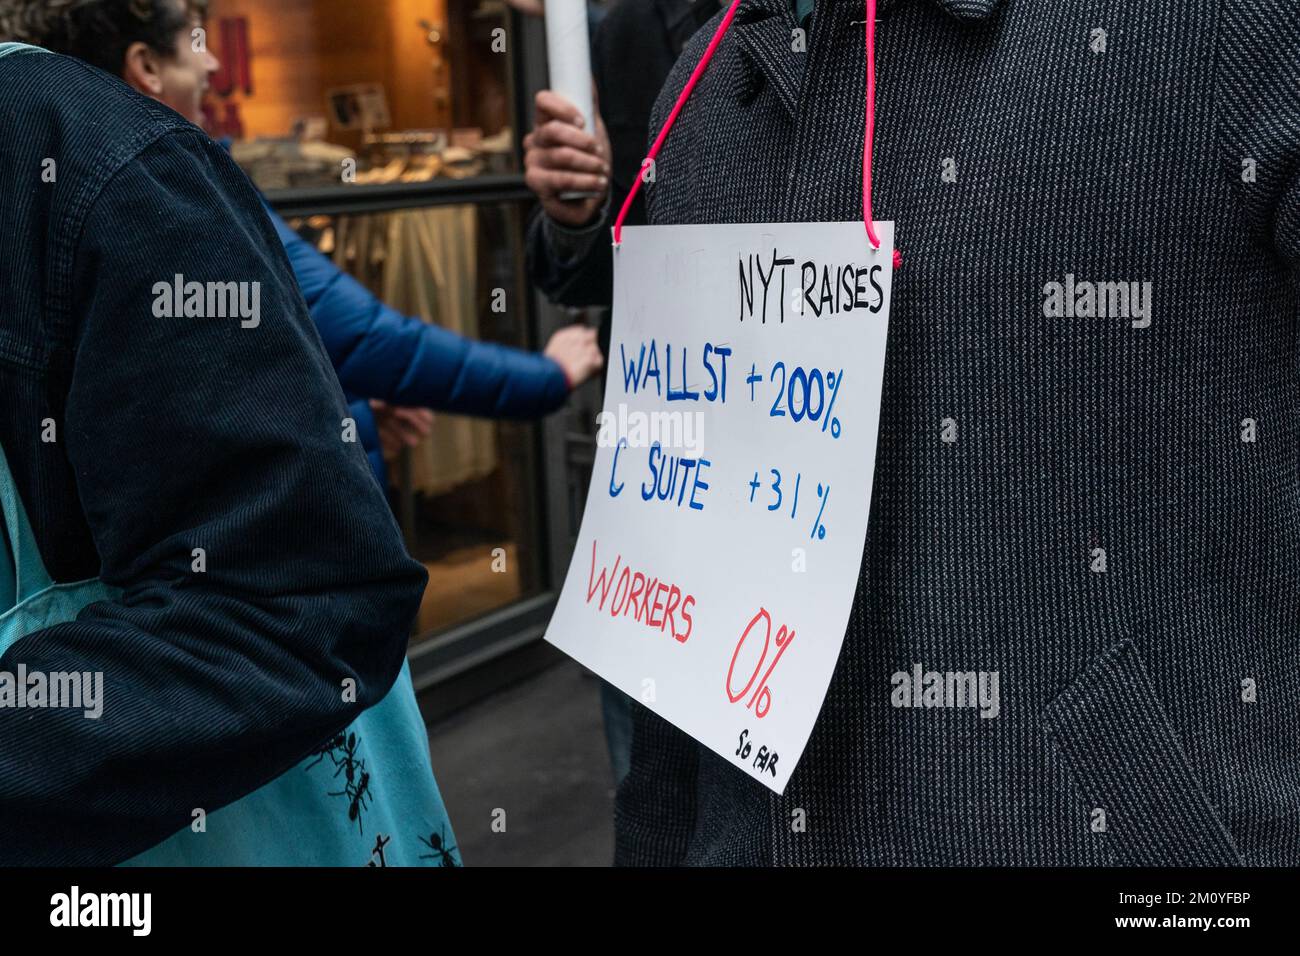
335,92
467,497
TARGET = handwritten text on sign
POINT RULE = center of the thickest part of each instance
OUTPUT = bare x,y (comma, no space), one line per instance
724,527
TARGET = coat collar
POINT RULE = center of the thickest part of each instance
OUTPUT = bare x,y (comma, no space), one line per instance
763,29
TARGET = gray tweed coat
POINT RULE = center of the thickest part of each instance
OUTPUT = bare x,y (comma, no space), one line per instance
1101,506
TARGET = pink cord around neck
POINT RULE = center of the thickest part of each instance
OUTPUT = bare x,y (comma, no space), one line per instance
869,133
668,124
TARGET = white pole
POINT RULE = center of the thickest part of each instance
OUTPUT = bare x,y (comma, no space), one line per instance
569,53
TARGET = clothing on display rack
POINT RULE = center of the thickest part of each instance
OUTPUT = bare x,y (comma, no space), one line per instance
424,262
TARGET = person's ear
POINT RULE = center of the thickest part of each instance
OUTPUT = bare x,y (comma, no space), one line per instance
140,69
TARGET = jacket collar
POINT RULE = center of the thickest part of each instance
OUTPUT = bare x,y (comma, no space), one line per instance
763,29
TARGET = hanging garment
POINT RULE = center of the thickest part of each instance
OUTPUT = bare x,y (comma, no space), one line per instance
367,797
432,272
423,262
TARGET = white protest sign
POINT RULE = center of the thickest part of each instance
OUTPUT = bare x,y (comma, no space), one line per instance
725,523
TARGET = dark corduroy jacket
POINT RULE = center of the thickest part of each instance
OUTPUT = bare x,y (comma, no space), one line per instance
135,439
1150,711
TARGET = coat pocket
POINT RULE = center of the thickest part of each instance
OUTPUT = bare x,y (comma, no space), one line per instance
1124,758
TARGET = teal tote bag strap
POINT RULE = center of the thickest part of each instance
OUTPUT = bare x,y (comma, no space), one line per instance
22,572
29,598
7,48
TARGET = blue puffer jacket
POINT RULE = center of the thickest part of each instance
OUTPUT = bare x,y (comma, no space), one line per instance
380,353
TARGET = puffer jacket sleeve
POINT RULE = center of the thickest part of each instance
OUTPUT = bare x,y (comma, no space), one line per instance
380,353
